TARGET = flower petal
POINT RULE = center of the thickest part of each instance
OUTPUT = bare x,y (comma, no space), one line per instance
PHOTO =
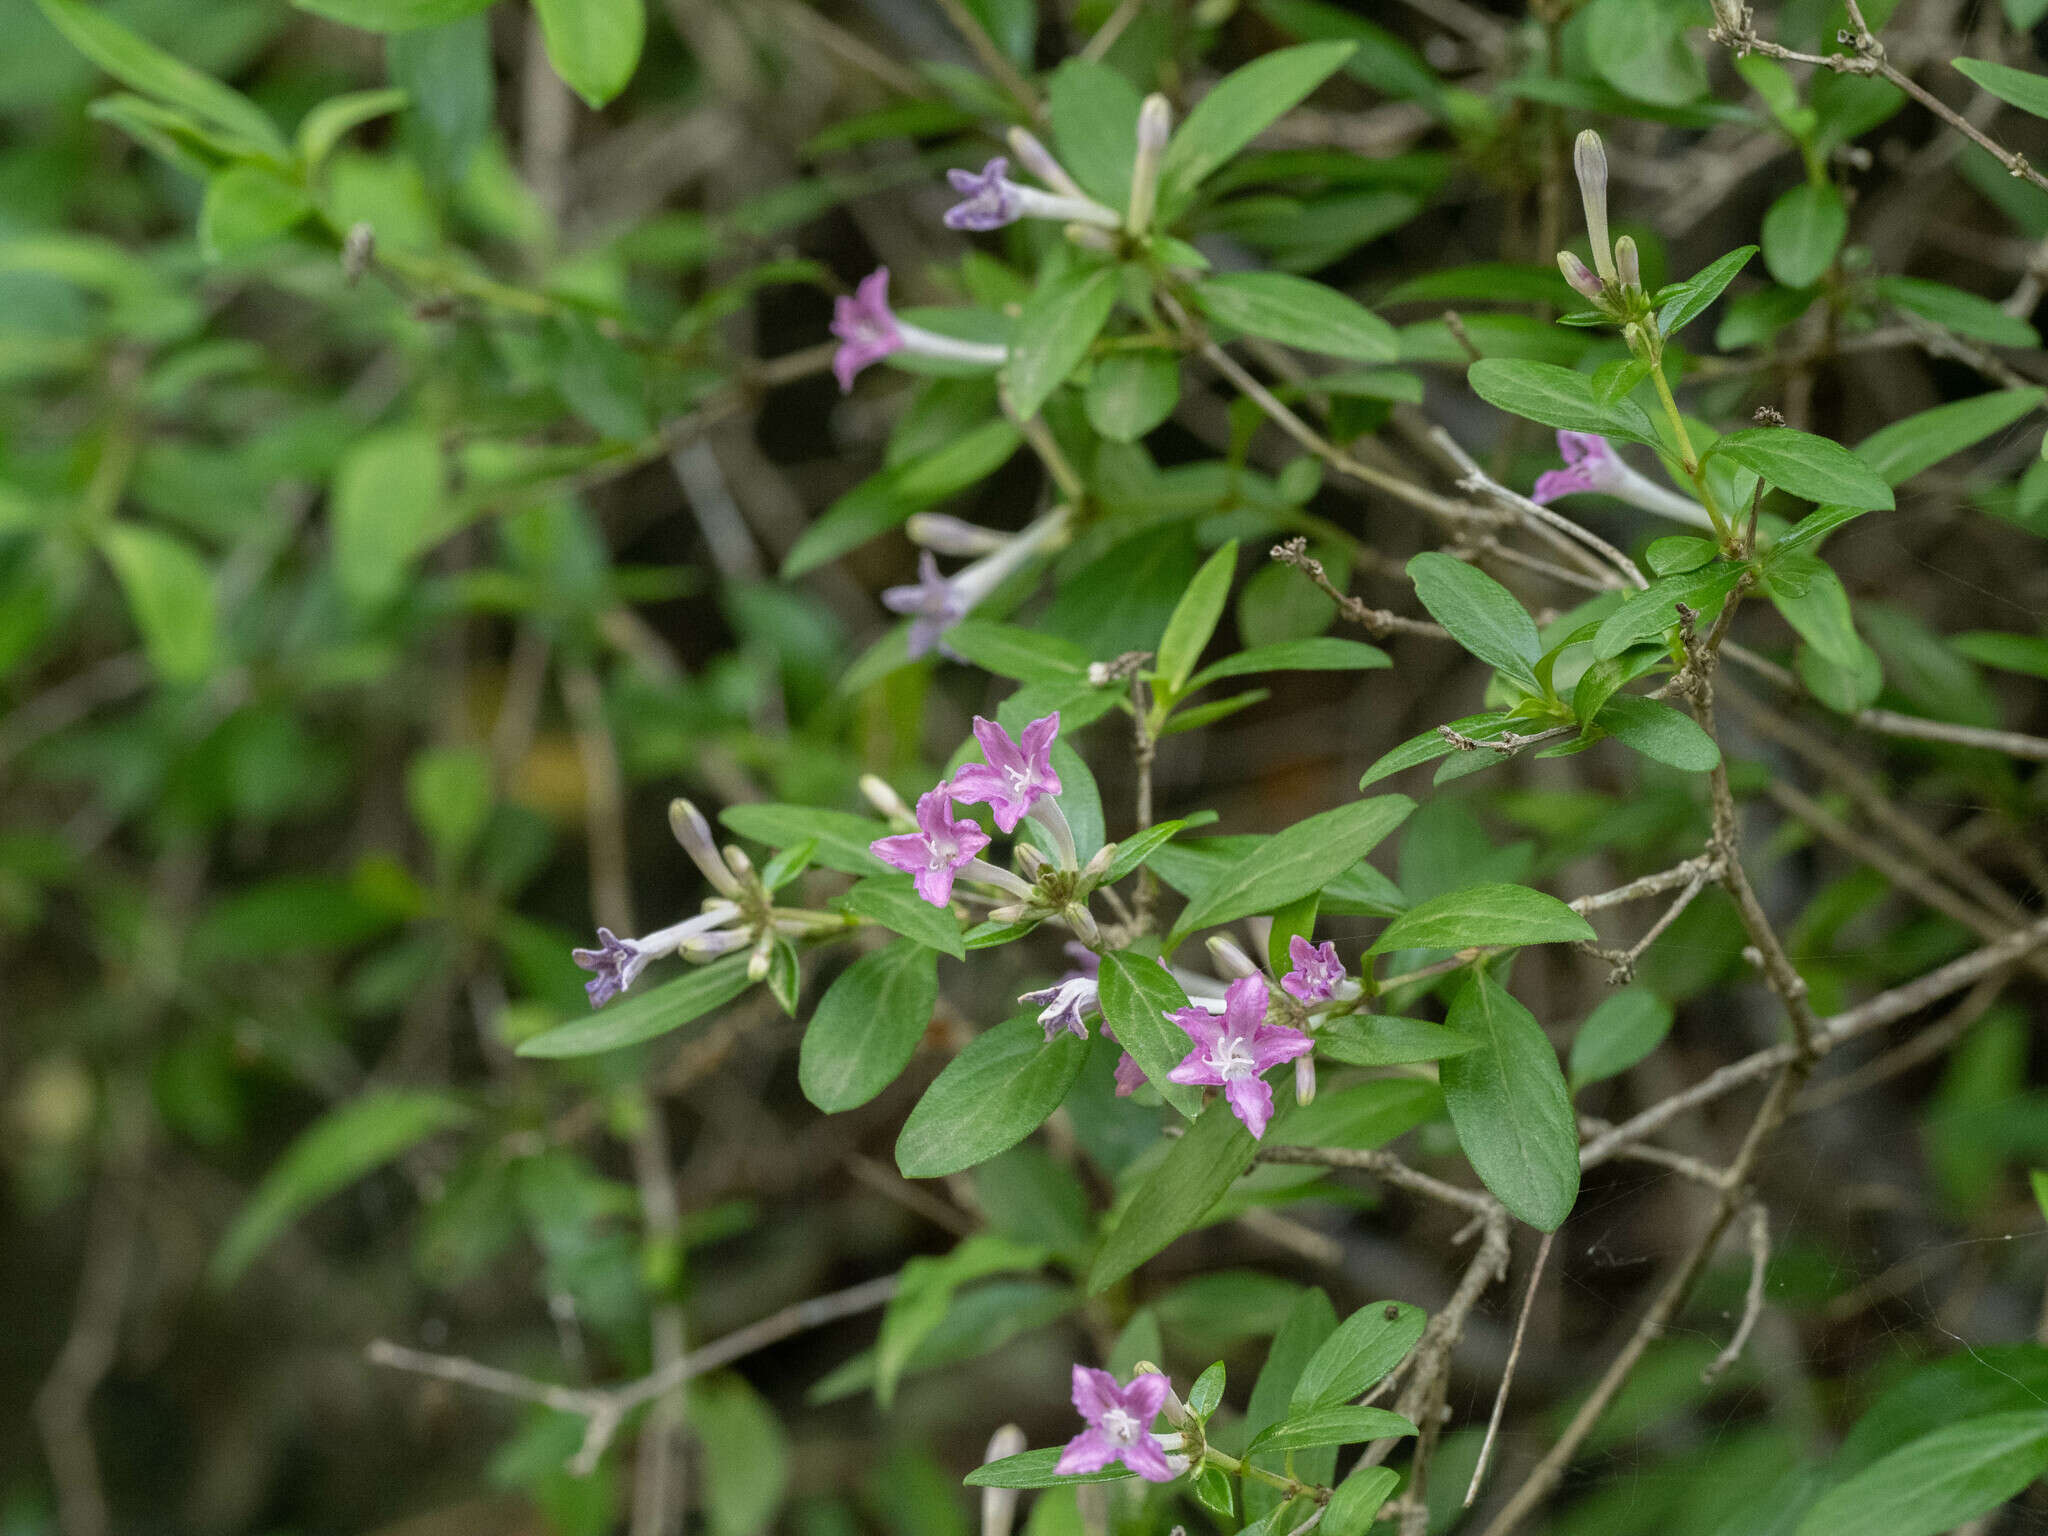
1089,1451
1094,1392
1148,1459
1251,1100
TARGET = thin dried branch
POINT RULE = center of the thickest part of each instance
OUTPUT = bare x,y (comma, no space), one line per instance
1753,1299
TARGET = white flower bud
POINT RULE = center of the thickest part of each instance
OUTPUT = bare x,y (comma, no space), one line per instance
1589,163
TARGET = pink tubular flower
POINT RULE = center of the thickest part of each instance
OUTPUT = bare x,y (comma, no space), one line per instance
1119,1425
865,327
1017,775
1591,464
1232,1052
937,851
1317,971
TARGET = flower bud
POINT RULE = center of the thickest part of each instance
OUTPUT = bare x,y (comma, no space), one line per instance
694,833
1155,126
1304,1079
1628,267
1032,861
1175,1410
1098,866
886,800
999,1505
1038,160
1229,959
953,536
1015,913
1082,921
1089,238
736,859
1589,163
1580,276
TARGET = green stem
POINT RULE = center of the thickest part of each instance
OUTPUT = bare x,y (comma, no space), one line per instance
1293,1487
1688,460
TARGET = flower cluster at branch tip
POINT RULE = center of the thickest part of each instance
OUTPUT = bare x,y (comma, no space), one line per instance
1591,464
1614,284
934,603
1232,1052
868,331
937,851
1316,973
1119,1425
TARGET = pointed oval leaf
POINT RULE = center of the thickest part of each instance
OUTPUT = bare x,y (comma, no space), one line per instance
1510,1107
867,1026
990,1097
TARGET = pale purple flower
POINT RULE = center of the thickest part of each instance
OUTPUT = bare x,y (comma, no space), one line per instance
866,329
1232,1052
1130,1077
1317,971
1580,276
1064,1005
1591,464
937,851
991,197
1018,773
1119,1425
934,604
617,963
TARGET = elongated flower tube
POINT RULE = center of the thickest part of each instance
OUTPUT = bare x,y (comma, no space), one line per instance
1589,163
617,963
937,851
1234,1052
1119,1425
869,331
993,200
1591,464
1155,126
935,603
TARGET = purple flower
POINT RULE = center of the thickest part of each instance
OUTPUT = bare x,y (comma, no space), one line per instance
1317,971
1231,1052
1591,464
1064,1004
935,604
1017,774
991,202
866,329
937,851
616,961
1119,1425
1130,1077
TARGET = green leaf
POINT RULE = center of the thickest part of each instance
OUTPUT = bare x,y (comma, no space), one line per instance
1701,289
867,1026
1651,612
892,901
2016,87
1323,653
386,505
1382,61
393,15
990,1097
1557,397
1343,1425
248,205
1034,1469
1178,1193
448,790
2008,653
1812,599
446,74
1207,1391
1194,618
1616,1035
170,597
1811,529
1138,847
1484,915
1639,48
1298,313
1903,448
1659,732
1212,1490
1679,552
2039,1180
593,44
645,1015
925,1292
1360,1116
1385,1040
1510,1106
1130,393
1058,324
1242,106
842,837
1368,1344
1813,467
1481,614
1802,232
346,1143
1011,651
1137,993
327,124
1304,858
1938,1481
1967,314
1429,745
745,1455
142,66
1355,1506
1094,113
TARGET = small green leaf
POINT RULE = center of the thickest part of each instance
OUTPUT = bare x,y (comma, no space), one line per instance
1385,1040
1639,47
1207,1392
842,837
248,205
1659,732
1651,612
990,1097
342,1146
1967,314
1616,1035
1903,448
386,506
1194,618
1557,397
1137,993
1679,552
1305,857
393,15
1011,651
1701,289
170,597
1802,231
2017,87
867,1026
892,901
1138,847
1806,465
1242,106
1484,915
1034,1469
1297,313
1938,1481
925,1291
1368,1344
1058,324
1213,1491
1130,393
1340,1425
1354,1508
1481,614
1510,1106
1178,1193
448,790
1431,744
1094,112
1324,653
445,72
645,1015
327,124
593,44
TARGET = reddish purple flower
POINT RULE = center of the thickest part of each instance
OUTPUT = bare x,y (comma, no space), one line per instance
1317,971
992,199
937,851
866,329
1017,774
1591,464
1232,1052
1130,1077
1119,1425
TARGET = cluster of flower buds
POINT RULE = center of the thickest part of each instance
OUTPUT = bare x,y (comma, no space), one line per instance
1592,464
935,603
1614,285
1017,782
742,914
